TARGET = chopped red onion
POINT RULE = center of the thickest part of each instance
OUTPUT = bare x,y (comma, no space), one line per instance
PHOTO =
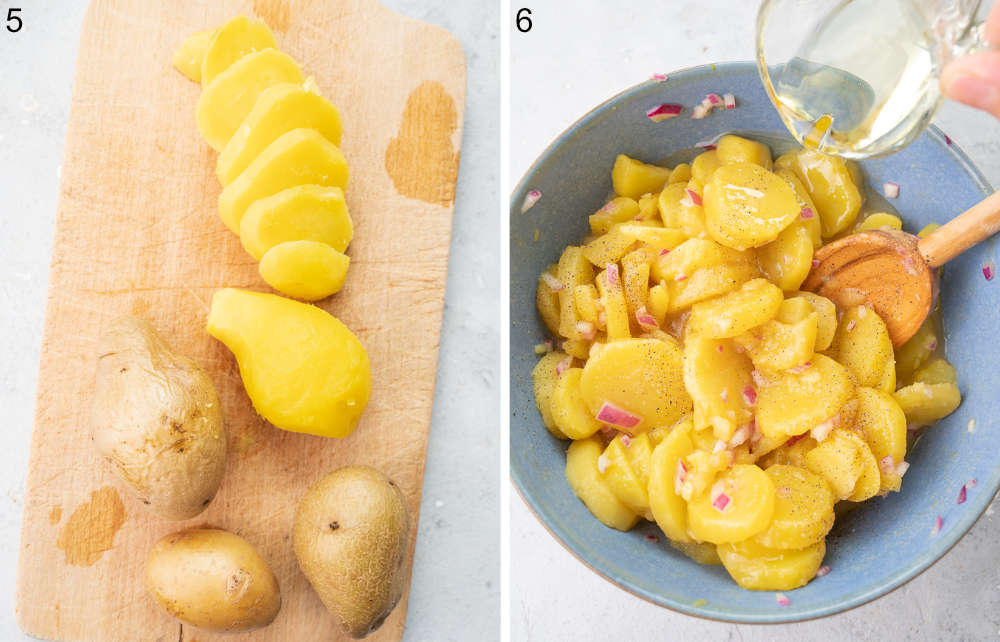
947,139
708,145
680,475
758,378
901,468
554,284
602,463
802,367
719,446
782,600
664,252
530,199
806,213
740,436
932,344
586,330
792,440
887,465
719,347
659,77
680,277
652,538
815,263
720,502
989,269
851,325
617,416
626,440
694,196
699,112
645,319
750,396
938,523
822,431
973,482
714,99
611,275
961,495
564,365
729,101
724,395
822,570
664,111
891,189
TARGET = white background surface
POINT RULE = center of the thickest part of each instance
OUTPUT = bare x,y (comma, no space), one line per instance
577,55
455,588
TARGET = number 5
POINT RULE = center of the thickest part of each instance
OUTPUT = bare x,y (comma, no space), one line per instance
12,18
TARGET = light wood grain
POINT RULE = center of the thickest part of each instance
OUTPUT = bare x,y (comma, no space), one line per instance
975,224
137,231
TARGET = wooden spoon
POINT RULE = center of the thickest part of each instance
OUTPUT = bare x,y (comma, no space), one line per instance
896,273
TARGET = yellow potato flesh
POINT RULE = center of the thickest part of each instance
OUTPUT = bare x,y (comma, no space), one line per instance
233,40
301,213
643,376
188,57
786,260
715,376
759,568
926,403
782,343
544,379
627,470
633,178
300,157
936,371
704,165
302,368
913,354
668,507
748,512
882,423
699,269
747,206
803,509
546,299
278,110
844,460
831,186
826,322
701,552
617,210
790,404
573,270
569,412
592,489
753,304
307,270
863,346
735,149
680,174
227,100
812,224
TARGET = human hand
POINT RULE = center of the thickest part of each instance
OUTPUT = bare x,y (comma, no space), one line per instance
974,79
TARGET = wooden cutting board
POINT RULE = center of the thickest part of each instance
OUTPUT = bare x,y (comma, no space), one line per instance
137,231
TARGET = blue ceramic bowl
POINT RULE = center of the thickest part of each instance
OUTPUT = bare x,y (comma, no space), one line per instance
875,548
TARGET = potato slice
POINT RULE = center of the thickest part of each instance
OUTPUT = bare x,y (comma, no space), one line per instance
738,506
699,269
680,174
786,260
616,317
786,341
701,552
547,301
936,371
300,213
879,221
791,403
544,379
826,323
924,403
617,210
608,248
635,281
882,423
747,206
573,270
831,186
755,303
300,157
846,462
913,354
227,100
278,110
790,453
633,178
569,413
627,471
662,238
585,300
643,376
659,303
716,375
592,489
733,149
759,568
862,345
187,59
803,509
668,507
704,165
230,42
307,270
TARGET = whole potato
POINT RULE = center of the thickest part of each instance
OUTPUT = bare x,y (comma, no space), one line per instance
212,579
351,534
156,417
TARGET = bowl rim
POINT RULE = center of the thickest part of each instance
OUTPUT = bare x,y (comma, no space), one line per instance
923,562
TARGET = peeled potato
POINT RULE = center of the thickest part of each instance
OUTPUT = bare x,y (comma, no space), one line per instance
188,57
627,472
617,210
715,376
747,206
704,165
844,460
803,509
546,300
760,568
544,379
307,270
230,42
831,185
754,303
300,213
791,403
701,552
882,424
826,323
569,412
926,403
592,489
748,511
736,149
863,346
634,178
227,100
668,507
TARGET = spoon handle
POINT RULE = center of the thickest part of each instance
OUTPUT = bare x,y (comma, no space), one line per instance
975,224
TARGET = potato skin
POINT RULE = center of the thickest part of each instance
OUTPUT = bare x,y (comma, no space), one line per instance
212,579
157,419
351,535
